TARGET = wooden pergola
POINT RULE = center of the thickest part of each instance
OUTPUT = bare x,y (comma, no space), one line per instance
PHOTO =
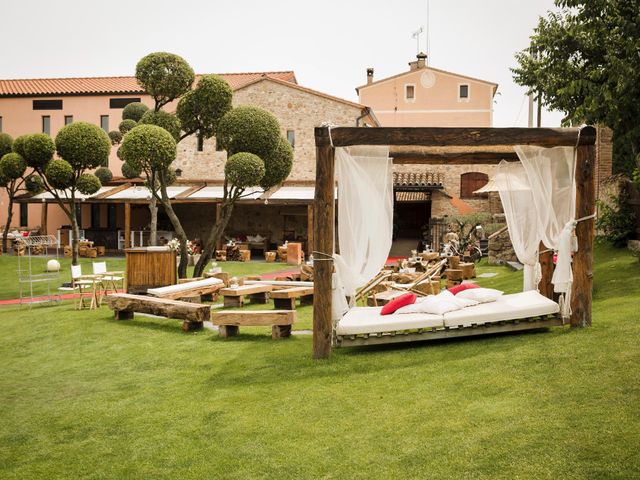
447,146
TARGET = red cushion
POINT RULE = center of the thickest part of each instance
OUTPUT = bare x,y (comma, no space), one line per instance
462,287
396,303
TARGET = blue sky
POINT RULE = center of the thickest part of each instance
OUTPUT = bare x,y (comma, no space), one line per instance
328,44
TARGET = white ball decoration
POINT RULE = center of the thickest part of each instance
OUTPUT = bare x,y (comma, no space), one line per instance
53,266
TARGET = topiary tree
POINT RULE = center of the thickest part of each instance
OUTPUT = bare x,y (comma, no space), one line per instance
81,147
104,175
115,136
164,76
258,157
126,125
130,172
134,111
12,169
164,120
6,144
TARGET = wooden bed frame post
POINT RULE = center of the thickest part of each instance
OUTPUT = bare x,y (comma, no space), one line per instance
582,289
323,237
546,263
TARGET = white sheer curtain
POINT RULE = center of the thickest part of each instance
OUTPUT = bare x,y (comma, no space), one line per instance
365,219
522,220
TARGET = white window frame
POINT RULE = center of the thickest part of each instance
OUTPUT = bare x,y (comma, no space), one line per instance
415,91
468,97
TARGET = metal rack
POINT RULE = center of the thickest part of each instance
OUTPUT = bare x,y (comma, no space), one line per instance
35,269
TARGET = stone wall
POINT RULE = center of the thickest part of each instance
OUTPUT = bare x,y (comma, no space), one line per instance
297,109
501,250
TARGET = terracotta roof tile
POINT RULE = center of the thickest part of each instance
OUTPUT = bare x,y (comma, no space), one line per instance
417,180
114,85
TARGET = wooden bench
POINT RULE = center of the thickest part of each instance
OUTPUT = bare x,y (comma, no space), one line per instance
229,322
125,305
234,297
205,286
285,299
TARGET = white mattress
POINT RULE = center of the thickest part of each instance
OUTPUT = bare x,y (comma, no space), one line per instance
360,320
507,307
181,287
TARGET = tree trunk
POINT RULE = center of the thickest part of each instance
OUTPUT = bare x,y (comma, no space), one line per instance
153,210
5,233
216,233
76,234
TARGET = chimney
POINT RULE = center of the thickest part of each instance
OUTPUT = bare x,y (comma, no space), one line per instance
421,62
369,76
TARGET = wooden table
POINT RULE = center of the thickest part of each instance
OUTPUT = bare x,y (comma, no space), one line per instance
234,296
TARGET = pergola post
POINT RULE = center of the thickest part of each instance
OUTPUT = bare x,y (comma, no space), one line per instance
44,218
546,264
310,245
323,235
582,289
127,225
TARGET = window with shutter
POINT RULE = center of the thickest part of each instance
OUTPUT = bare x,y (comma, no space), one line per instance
472,181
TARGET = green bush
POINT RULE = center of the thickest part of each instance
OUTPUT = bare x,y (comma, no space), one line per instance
12,166
277,164
134,111
115,136
6,144
201,109
130,172
164,76
148,147
104,175
37,149
83,145
164,120
4,180
126,125
88,184
244,170
34,184
616,222
59,174
249,129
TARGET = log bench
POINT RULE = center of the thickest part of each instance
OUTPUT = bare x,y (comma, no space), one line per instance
125,305
285,299
229,322
234,296
206,286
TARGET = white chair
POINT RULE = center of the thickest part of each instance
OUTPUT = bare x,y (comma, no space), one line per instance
85,286
109,279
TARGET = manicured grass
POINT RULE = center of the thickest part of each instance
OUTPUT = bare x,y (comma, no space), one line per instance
84,396
9,287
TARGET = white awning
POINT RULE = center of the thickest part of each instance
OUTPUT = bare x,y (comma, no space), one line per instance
66,194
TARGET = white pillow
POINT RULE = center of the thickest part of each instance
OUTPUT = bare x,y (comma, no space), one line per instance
460,301
434,304
480,295
251,238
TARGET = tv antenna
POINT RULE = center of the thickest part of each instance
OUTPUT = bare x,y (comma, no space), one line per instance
416,35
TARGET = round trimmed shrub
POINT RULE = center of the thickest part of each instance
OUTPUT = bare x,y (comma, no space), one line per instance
202,108
83,145
244,169
277,164
126,125
34,184
88,184
164,120
104,175
148,147
12,166
18,145
170,176
115,136
130,172
4,180
6,144
164,76
249,129
134,111
59,174
37,149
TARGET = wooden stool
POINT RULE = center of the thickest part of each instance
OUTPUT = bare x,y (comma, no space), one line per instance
270,256
245,255
468,270
101,251
221,255
453,262
68,251
453,274
92,252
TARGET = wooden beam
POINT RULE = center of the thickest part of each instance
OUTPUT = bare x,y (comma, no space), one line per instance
189,191
323,234
546,263
113,191
309,230
44,214
127,225
582,289
441,136
418,156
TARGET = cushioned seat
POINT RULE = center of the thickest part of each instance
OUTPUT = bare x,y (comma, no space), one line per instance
507,307
361,320
184,287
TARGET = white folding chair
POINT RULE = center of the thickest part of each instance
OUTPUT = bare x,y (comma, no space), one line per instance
109,279
84,286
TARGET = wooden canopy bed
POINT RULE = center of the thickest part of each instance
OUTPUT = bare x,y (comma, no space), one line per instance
523,311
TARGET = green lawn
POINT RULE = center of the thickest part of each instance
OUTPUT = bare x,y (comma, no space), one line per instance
9,267
84,396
